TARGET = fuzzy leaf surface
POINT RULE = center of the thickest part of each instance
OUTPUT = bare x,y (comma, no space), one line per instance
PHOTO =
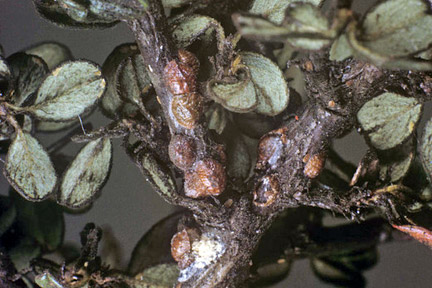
389,119
28,168
86,174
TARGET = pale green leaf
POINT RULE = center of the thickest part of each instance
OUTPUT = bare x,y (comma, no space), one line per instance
133,80
111,101
389,119
398,28
260,29
48,126
70,13
174,3
47,280
274,10
4,69
270,85
426,149
28,72
86,174
340,50
194,26
216,118
157,175
160,276
113,10
68,91
235,96
28,168
51,52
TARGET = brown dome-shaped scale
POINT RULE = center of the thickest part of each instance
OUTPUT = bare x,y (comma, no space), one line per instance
186,109
270,149
314,164
266,191
180,245
182,151
189,59
206,178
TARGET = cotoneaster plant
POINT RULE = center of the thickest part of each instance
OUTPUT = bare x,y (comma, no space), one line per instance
205,104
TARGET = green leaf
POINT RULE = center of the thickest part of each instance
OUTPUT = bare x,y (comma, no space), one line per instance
426,149
23,253
217,118
48,126
259,29
68,91
395,164
133,80
160,276
235,95
389,119
157,175
7,214
239,160
28,72
113,10
194,26
155,246
28,168
5,77
274,10
41,221
398,28
270,85
341,49
111,101
86,174
336,273
69,13
174,3
52,53
47,280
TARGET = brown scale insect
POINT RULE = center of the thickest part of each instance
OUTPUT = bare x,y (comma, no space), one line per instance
182,151
181,78
266,191
181,247
314,164
206,178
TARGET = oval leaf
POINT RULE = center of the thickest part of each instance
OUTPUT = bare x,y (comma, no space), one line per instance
192,27
133,80
52,53
157,175
28,72
70,13
341,49
160,276
270,85
111,101
389,119
274,10
395,164
68,91
28,168
238,97
398,28
113,10
86,174
426,149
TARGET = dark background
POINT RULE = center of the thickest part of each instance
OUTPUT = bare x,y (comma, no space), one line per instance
129,206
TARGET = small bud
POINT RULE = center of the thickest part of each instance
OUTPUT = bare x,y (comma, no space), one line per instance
182,151
266,191
314,164
206,178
